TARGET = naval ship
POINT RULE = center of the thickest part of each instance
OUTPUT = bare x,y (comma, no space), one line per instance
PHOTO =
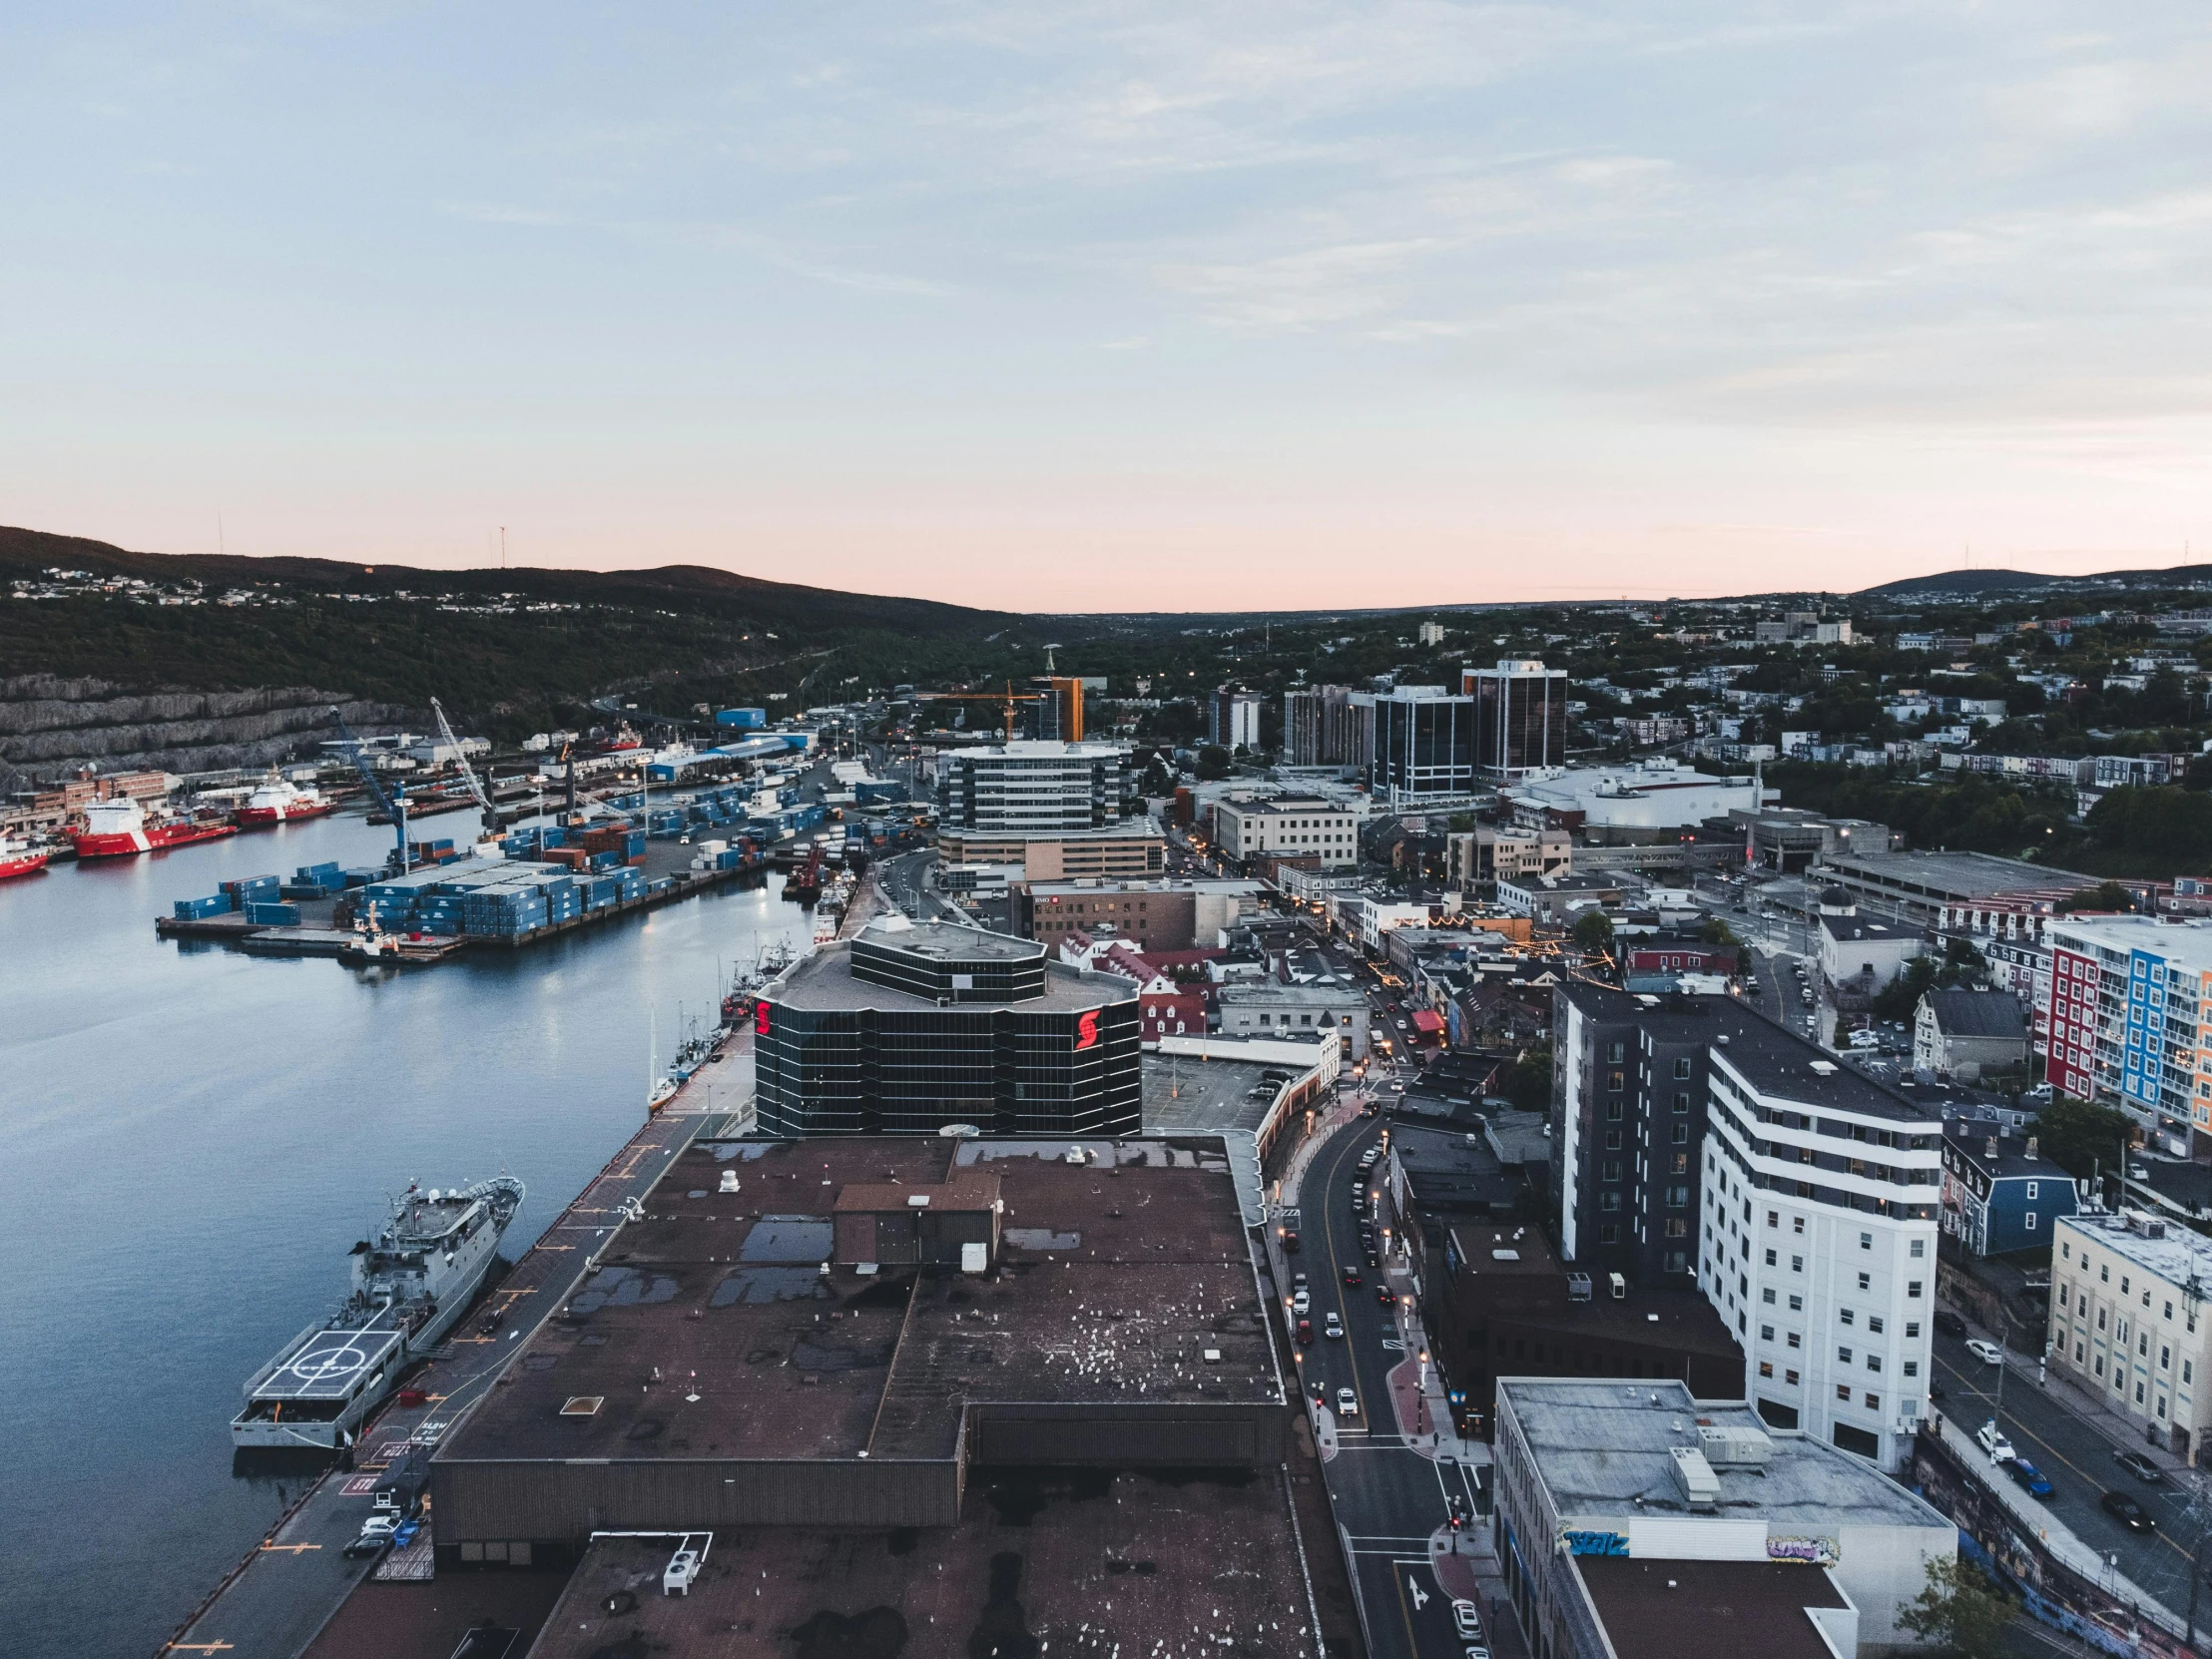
410,1285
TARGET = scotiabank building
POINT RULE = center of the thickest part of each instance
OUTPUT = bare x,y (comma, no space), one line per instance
910,1028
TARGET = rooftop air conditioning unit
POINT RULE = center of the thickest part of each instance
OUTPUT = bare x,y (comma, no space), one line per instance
2148,1226
1734,1445
1578,1286
1700,1487
1620,1287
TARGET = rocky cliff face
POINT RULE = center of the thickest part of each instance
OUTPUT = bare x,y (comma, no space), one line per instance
50,727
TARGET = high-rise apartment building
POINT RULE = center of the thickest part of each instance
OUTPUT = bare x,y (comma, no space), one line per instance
1628,1107
1695,1136
1034,786
1817,1240
1233,718
1424,744
2129,1018
1520,717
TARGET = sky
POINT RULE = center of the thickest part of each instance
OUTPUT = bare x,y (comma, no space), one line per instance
1120,306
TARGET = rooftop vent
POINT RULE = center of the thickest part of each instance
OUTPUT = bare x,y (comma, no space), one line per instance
1734,1445
583,1405
917,1201
1825,1068
1695,1480
1505,1255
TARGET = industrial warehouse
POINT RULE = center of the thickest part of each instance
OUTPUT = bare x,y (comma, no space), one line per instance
846,1333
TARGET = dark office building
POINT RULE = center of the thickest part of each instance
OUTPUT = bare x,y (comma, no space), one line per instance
1424,744
1520,717
905,1029
1628,1101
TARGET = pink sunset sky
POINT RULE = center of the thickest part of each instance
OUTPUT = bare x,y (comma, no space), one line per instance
1124,306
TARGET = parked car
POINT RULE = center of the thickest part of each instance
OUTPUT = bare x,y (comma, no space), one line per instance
2129,1513
1347,1404
1466,1619
1986,1352
1991,1440
1950,1324
1306,1331
1302,1302
2029,1477
1331,1326
2149,1472
370,1543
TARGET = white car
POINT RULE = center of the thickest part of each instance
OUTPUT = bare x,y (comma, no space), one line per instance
1347,1404
1466,1619
1301,1303
1331,1327
1991,1440
1987,1353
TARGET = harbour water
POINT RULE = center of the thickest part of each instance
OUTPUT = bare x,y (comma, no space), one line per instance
191,1139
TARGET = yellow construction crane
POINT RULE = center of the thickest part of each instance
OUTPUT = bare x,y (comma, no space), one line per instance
1008,699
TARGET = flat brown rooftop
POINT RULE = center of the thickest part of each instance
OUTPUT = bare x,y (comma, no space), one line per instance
723,1343
1710,1609
1085,1561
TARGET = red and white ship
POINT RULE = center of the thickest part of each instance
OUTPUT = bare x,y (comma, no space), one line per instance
121,829
20,858
276,801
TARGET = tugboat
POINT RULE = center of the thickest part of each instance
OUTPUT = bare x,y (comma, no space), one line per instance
121,829
279,801
410,1283
21,858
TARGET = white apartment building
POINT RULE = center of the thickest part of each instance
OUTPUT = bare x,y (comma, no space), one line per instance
1817,1241
1292,827
2125,1019
2127,1318
1032,785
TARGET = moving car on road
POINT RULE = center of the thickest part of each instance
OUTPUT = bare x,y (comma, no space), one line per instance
1352,1273
1332,1326
1986,1352
2129,1513
1347,1404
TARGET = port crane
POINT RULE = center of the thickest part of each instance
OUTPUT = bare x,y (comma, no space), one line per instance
394,805
468,773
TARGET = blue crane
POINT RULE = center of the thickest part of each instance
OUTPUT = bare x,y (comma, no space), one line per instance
394,805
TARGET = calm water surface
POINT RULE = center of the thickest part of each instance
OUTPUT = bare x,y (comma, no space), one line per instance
191,1139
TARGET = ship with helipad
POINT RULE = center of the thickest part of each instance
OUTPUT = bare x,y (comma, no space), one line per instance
410,1284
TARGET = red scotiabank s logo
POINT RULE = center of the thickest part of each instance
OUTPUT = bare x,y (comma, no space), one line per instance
1086,1031
760,1019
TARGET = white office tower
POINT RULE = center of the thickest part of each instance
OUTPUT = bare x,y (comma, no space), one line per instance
1816,1242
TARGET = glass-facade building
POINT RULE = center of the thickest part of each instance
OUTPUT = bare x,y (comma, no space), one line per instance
1520,717
910,1028
1424,744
